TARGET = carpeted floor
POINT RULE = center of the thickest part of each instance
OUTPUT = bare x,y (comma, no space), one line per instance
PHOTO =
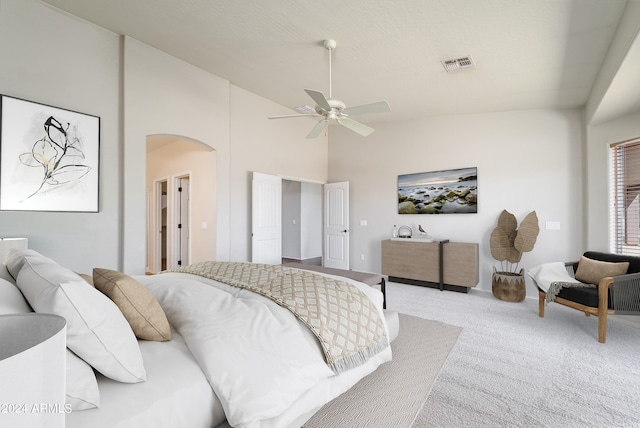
393,395
510,368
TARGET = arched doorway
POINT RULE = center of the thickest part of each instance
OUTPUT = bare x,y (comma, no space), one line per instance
181,202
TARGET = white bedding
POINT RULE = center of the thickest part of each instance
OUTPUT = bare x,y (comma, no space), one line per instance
233,355
175,394
264,365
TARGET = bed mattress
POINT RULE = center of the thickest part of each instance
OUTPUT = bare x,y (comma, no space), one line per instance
175,394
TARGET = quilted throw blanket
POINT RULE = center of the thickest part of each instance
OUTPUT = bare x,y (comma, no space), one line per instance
345,321
553,277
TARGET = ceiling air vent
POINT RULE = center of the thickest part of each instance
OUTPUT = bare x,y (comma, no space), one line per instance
459,64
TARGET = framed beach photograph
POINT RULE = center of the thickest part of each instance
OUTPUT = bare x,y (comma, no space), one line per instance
453,191
49,158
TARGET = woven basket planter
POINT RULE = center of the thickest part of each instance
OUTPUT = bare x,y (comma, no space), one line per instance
508,286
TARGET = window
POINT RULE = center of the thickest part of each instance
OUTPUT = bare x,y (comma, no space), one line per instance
625,197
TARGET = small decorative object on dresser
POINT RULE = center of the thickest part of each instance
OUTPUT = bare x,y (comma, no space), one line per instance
507,245
405,232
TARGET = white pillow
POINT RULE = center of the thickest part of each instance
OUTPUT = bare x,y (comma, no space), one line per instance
96,329
4,274
82,386
11,299
15,260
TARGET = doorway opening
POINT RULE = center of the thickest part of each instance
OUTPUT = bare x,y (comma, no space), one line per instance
181,183
301,222
280,212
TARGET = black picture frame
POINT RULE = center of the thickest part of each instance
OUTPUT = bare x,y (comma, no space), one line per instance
49,158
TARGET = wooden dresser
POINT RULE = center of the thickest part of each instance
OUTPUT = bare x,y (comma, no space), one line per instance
419,263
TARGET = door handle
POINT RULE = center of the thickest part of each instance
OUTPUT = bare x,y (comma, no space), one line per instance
345,231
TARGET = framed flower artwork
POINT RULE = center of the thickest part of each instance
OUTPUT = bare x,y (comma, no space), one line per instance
49,158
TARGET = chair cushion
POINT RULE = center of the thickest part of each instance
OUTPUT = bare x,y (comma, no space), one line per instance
592,271
634,262
584,296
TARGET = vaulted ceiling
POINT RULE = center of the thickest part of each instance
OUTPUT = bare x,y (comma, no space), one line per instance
528,54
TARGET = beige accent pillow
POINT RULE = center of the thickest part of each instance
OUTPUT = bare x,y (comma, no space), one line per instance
145,315
86,277
592,271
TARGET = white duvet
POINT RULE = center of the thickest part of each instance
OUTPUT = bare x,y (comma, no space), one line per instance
264,365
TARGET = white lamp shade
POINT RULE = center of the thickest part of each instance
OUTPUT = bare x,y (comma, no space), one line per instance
7,244
32,370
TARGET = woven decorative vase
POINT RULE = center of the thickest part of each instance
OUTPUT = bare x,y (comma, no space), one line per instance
508,286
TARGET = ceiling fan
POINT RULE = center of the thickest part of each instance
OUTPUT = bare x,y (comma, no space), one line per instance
335,110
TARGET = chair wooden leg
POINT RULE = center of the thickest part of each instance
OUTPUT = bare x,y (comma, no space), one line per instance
541,299
603,308
602,327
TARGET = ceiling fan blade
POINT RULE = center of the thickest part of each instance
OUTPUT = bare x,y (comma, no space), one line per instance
319,98
378,107
286,116
317,130
358,127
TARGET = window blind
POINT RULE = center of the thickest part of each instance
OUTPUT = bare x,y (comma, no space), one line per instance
624,183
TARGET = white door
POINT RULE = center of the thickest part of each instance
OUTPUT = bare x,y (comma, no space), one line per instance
266,219
183,226
161,210
336,225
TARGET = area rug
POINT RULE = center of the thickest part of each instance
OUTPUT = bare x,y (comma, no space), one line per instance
393,395
511,368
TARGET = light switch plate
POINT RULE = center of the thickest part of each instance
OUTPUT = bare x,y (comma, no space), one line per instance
553,225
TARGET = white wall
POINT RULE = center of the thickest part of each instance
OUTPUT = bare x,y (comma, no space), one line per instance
291,219
176,160
52,58
598,140
311,214
609,119
526,160
163,95
615,90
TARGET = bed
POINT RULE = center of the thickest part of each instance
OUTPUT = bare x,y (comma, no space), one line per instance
191,349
